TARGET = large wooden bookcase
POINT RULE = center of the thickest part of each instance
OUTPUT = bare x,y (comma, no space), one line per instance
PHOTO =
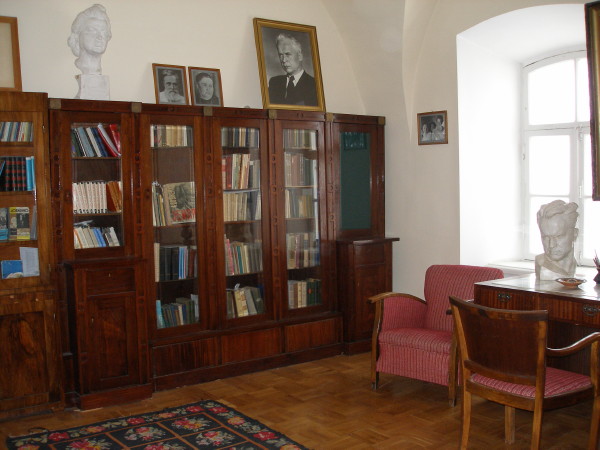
30,374
98,238
226,230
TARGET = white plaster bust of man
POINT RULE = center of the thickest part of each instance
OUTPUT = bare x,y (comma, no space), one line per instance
557,221
90,33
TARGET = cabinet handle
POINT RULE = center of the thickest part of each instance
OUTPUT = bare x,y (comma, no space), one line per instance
590,310
503,297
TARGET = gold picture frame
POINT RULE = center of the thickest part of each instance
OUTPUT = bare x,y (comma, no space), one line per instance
299,51
172,91
592,24
10,59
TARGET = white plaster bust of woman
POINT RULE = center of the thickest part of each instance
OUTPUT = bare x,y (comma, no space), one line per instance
90,33
557,221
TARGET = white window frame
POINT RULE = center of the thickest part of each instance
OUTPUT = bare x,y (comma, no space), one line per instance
576,131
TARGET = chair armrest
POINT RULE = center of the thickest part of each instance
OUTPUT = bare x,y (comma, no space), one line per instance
575,347
397,310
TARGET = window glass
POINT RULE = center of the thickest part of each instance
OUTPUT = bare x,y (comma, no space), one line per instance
549,165
583,91
552,93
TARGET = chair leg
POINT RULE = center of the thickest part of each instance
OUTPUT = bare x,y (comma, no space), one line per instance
536,433
509,424
466,419
452,372
595,428
374,380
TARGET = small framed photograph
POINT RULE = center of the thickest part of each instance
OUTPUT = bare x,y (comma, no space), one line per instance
10,59
433,127
205,86
170,84
288,61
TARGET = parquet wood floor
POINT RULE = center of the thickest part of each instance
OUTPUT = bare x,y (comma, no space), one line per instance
328,404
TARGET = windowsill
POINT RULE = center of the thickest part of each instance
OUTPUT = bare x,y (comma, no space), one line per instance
516,268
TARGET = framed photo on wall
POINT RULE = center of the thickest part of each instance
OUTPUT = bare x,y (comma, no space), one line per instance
170,84
289,66
10,59
205,86
433,127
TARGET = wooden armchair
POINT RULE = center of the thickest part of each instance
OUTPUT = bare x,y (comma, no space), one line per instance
412,337
503,359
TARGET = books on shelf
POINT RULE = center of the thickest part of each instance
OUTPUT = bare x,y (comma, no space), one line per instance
299,139
243,257
4,224
239,137
299,170
170,136
87,236
300,203
175,262
303,293
244,301
302,250
16,131
11,268
17,173
27,266
97,197
179,202
183,311
239,171
241,205
18,223
30,260
96,141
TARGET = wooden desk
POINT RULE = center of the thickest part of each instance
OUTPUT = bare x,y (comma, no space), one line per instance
572,313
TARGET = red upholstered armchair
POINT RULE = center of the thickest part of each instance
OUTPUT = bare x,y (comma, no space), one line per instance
412,337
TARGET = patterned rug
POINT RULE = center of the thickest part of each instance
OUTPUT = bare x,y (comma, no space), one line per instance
202,425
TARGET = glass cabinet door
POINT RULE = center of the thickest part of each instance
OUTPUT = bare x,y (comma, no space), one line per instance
242,218
20,137
302,218
355,180
174,221
97,187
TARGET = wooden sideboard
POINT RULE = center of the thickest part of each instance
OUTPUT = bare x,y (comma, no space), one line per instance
572,313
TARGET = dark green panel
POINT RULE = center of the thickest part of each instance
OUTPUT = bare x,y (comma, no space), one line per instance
355,180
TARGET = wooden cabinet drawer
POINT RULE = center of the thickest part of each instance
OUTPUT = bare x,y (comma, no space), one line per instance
504,298
370,254
581,313
110,280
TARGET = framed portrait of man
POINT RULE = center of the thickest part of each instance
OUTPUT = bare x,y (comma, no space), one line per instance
289,66
205,86
170,84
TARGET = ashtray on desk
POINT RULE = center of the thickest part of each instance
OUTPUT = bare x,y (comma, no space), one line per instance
571,283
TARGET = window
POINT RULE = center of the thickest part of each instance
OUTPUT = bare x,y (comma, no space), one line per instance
557,149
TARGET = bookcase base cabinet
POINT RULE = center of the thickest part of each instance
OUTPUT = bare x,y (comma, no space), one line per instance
108,335
365,269
29,373
210,358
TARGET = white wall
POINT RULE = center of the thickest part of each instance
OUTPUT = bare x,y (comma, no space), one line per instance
394,58
489,106
200,33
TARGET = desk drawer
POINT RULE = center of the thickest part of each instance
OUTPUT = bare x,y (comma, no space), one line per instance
503,298
579,313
